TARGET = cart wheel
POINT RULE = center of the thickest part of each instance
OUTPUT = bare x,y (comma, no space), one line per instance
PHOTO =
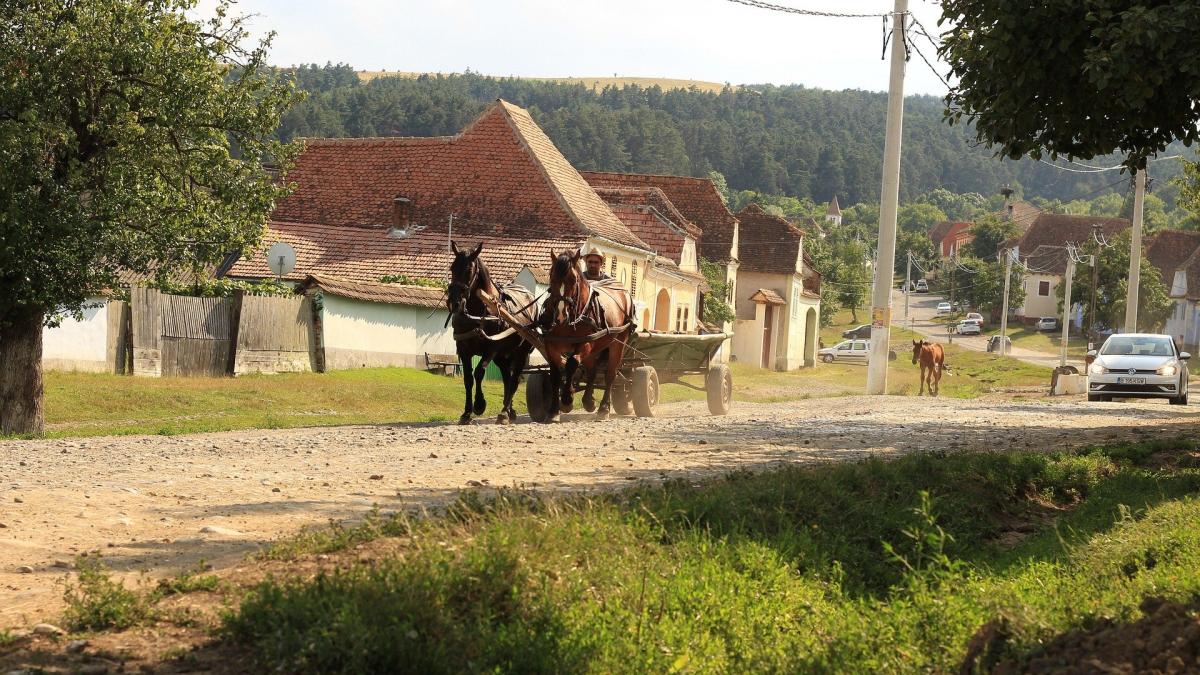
718,382
621,396
645,390
537,396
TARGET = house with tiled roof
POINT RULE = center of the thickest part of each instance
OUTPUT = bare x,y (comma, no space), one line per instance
778,301
672,285
369,208
1176,254
1043,247
701,204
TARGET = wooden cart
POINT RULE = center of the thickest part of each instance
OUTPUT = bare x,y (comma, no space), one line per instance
651,359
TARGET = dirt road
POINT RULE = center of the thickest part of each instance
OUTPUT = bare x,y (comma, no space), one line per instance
155,505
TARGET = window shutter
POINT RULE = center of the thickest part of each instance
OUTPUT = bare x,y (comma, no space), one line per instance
613,268
633,279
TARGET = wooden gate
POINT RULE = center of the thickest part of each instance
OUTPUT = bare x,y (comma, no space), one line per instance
196,335
274,335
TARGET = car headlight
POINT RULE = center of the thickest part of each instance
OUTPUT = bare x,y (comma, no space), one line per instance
1168,370
1096,369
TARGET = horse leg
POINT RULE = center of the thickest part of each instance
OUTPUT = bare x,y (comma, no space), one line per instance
589,396
480,371
555,382
468,380
517,363
567,399
921,388
937,380
505,363
615,353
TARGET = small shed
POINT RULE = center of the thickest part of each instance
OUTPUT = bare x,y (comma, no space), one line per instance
365,325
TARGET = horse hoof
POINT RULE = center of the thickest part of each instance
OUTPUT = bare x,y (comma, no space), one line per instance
589,404
555,418
465,420
602,415
502,418
512,415
566,406
480,406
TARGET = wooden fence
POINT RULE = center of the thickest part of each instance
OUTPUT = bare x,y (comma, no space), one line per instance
180,336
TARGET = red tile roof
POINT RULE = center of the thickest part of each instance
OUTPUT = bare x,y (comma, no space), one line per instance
1169,249
696,198
1056,229
502,169
767,296
394,294
653,218
364,254
1047,260
767,243
1191,270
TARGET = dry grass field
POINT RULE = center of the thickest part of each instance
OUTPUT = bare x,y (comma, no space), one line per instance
590,82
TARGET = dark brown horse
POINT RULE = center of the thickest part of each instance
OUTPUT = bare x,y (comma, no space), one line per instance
478,333
587,323
933,361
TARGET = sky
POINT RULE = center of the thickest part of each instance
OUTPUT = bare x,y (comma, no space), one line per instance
711,40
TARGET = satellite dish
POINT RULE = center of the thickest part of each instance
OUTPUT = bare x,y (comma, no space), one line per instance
281,258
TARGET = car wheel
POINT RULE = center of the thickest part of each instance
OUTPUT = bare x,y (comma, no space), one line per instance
827,358
1179,400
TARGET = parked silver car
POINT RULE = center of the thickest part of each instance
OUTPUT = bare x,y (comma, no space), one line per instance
1047,323
1138,365
968,327
853,351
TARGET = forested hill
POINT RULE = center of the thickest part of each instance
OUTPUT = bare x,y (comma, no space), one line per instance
780,140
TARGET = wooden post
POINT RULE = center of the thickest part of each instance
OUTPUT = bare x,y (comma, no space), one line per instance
235,318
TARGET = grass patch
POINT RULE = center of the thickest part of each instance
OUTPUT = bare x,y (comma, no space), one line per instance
1048,342
866,567
187,581
97,602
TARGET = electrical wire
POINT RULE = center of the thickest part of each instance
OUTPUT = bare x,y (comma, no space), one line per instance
808,12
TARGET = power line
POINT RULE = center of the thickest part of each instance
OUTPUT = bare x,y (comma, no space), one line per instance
930,65
807,12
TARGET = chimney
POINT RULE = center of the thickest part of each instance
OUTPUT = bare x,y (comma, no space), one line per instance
401,213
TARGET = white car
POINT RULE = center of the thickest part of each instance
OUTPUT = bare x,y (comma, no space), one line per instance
854,351
1047,323
968,327
1138,365
922,286
975,316
944,308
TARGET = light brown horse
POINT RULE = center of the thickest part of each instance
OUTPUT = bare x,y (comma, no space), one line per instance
584,322
933,361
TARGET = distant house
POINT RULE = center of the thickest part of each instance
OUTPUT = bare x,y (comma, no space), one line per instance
1042,248
778,302
1176,255
698,201
833,212
670,289
374,208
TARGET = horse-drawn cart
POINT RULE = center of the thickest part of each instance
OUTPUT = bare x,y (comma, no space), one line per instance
650,360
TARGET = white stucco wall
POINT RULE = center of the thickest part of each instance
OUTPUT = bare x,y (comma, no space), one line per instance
1040,305
790,350
360,334
78,344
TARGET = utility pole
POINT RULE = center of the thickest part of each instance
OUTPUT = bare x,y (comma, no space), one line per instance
1135,253
889,196
907,284
1066,327
1004,304
1091,327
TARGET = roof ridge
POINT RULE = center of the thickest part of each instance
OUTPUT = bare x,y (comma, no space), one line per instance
511,112
348,140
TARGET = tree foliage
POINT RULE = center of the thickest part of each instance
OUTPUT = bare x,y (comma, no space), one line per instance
1077,79
1154,302
791,140
717,311
132,137
989,233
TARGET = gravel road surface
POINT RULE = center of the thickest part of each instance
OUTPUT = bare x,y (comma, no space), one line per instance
155,505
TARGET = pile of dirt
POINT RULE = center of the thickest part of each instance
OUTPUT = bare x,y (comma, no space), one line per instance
1165,641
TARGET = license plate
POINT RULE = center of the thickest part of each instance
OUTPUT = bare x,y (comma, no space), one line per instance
1131,380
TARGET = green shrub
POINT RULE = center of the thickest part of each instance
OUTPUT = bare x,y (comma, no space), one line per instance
98,603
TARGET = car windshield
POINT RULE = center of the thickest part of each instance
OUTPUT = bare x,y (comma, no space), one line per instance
1134,345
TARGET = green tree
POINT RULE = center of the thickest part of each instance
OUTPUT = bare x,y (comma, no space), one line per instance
716,311
1078,79
918,217
981,283
989,233
1154,303
132,137
821,253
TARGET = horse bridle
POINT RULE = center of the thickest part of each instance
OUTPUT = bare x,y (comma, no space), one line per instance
578,311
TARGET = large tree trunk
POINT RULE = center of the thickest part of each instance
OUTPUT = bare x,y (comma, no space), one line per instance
21,371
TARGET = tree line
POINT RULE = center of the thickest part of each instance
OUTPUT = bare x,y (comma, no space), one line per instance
783,140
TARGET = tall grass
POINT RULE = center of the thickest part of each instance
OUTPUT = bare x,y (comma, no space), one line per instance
866,567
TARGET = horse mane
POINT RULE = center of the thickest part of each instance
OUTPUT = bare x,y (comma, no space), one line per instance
562,265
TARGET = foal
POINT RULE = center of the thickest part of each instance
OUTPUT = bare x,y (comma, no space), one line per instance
933,361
